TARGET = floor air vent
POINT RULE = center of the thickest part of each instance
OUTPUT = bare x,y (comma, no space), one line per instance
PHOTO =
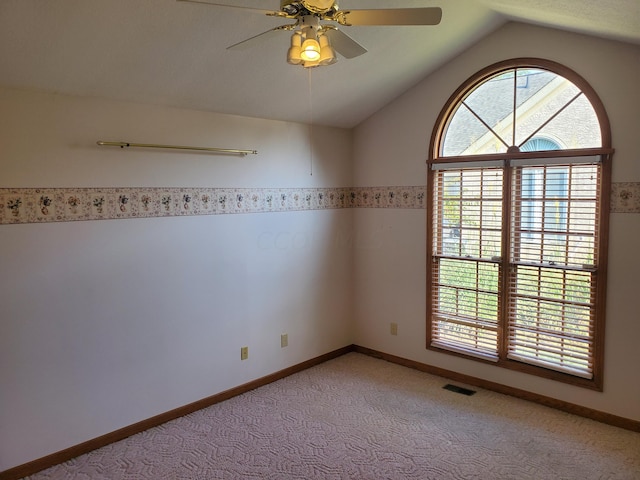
463,391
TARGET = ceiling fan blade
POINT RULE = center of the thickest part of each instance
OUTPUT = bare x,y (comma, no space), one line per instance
391,16
344,44
250,42
256,10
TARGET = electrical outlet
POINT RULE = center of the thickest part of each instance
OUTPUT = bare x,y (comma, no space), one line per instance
244,353
284,340
394,328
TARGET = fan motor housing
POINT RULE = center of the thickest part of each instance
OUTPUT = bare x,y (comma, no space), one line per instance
312,6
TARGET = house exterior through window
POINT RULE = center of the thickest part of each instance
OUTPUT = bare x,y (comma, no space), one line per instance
518,185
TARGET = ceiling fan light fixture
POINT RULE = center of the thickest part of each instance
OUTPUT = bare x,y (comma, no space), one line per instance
310,51
327,54
293,54
310,47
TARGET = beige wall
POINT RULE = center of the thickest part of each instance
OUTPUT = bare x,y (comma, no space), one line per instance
390,148
107,323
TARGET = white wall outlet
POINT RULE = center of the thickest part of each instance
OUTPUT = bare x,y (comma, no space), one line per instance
244,353
284,340
394,328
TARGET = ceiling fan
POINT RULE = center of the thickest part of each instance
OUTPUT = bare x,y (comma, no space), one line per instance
315,40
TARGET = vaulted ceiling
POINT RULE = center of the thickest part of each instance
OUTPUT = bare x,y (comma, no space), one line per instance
174,53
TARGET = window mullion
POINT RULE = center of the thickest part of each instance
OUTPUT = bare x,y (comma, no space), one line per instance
504,274
515,107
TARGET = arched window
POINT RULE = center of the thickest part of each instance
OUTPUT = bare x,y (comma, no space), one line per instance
518,184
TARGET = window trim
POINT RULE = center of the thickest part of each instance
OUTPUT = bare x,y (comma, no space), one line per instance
605,152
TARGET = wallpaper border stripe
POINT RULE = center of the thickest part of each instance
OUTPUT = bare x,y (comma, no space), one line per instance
44,205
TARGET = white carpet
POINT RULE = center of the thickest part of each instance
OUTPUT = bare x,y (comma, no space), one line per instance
357,417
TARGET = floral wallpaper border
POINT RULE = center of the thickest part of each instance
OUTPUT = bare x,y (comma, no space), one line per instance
42,205
625,197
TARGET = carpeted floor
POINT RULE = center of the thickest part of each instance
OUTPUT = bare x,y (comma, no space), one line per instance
357,417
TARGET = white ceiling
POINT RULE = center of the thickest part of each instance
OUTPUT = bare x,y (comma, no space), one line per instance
172,53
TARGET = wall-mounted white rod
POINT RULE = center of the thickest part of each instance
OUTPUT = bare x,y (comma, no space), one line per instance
227,151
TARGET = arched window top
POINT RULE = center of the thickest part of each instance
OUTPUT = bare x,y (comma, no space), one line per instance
521,105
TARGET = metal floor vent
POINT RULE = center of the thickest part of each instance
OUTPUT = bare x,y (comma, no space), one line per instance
463,391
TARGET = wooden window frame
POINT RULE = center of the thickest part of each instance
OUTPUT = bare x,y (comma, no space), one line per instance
605,154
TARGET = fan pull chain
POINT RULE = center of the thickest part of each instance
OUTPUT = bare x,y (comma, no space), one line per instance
310,125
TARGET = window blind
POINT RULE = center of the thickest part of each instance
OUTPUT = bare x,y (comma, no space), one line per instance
468,212
532,300
552,280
